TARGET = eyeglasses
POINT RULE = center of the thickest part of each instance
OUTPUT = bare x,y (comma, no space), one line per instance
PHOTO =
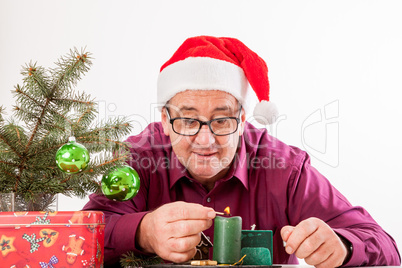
190,126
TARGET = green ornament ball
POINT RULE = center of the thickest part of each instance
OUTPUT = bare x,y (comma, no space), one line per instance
72,157
121,183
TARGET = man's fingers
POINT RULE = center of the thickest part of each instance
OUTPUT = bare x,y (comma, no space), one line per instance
179,257
310,245
184,244
186,211
303,230
286,231
187,227
334,260
173,230
319,256
330,262
314,241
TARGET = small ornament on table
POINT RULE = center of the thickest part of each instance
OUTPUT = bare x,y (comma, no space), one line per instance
204,263
203,248
72,157
121,183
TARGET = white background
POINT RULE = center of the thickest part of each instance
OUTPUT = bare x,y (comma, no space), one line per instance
334,66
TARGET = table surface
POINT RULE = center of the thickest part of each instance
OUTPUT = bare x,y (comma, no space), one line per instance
307,266
274,265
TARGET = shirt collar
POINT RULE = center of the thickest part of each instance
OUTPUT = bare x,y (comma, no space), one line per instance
239,168
176,170
240,165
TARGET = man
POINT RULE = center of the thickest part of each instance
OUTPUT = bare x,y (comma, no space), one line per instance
204,156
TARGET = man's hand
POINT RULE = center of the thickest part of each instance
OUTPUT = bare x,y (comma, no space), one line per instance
315,242
174,230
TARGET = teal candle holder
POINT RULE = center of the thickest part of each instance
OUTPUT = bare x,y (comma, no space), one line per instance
257,245
227,239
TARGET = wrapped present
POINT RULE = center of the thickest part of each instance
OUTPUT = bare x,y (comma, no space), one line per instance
51,239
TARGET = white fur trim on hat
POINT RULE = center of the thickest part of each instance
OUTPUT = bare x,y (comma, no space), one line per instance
266,112
201,73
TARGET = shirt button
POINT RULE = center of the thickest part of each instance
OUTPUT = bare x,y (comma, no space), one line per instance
209,199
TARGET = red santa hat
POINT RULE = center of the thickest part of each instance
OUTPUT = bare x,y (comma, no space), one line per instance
218,63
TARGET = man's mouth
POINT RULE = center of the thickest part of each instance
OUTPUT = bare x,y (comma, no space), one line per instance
205,154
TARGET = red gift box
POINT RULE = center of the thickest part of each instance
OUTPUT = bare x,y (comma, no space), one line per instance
51,239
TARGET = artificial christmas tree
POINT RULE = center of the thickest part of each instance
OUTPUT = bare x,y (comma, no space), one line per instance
47,113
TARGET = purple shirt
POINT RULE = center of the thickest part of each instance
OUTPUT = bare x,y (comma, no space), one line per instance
269,184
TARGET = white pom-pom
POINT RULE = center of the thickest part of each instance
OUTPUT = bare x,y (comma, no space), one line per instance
265,112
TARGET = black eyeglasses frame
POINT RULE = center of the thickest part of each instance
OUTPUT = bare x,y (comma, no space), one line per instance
202,123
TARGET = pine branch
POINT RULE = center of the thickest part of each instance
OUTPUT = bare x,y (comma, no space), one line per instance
8,143
57,146
66,179
18,91
9,173
74,104
70,69
35,78
1,114
86,117
24,156
70,101
44,137
38,122
131,260
117,159
6,176
87,113
87,182
9,163
100,164
24,115
91,139
63,117
52,127
113,128
25,111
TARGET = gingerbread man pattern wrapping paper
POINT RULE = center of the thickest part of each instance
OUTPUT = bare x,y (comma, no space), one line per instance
44,239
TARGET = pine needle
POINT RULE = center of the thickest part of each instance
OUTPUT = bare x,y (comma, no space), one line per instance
131,260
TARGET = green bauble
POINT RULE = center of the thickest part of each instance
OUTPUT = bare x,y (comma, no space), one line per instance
121,183
72,157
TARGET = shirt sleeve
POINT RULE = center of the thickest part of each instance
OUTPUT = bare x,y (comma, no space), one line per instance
310,194
122,219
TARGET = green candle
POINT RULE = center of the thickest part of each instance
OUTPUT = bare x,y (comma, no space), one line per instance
227,239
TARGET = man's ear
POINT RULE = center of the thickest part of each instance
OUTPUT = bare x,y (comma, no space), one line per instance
165,121
243,121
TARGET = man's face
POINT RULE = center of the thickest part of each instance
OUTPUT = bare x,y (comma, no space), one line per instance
206,156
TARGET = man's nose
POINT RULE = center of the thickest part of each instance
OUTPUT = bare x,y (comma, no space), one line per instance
205,137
